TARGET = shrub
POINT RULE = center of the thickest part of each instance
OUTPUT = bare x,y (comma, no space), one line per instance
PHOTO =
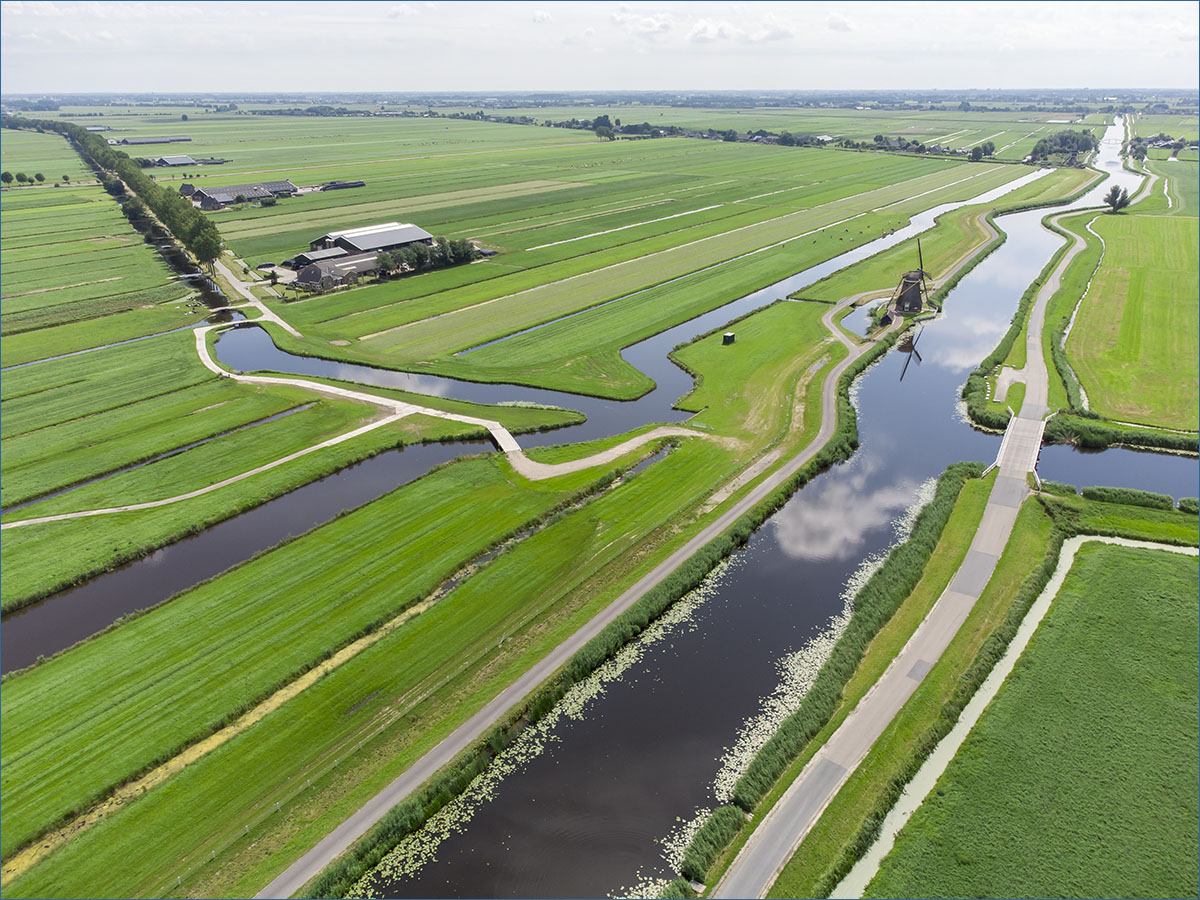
1190,505
1057,487
1129,497
678,889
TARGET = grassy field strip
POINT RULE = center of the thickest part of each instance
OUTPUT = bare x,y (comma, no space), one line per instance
623,227
21,862
60,287
355,695
353,213
988,138
1134,324
647,260
390,159
1089,797
933,191
926,778
1018,140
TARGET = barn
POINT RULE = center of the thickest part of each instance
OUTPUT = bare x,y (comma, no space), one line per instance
373,238
219,197
330,273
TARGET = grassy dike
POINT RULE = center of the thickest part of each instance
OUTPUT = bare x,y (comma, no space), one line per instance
852,821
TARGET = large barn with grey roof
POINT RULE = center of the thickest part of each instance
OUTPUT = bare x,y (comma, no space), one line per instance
373,238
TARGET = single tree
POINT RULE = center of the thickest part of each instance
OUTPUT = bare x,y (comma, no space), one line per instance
6,177
1117,197
67,178
184,117
207,246
22,177
39,177
274,277
976,154
606,133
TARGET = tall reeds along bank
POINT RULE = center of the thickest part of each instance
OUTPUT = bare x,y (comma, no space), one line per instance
874,606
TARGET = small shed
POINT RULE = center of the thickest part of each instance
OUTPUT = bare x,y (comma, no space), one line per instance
727,338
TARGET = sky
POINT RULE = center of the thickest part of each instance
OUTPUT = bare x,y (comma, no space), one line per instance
413,46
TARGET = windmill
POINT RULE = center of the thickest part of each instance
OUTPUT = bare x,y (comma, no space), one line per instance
912,292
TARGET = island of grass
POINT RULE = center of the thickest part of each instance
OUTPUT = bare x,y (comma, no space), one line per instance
1134,342
1080,779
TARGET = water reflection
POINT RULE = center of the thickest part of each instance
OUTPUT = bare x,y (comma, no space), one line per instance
837,516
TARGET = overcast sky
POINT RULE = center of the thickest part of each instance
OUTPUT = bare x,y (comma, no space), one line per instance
578,46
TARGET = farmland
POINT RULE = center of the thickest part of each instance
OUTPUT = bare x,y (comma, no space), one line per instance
328,663
1088,797
1134,343
556,592
75,273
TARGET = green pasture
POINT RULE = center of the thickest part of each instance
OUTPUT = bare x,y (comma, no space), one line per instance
545,586
433,671
1180,127
1134,343
70,259
29,152
1095,795
423,340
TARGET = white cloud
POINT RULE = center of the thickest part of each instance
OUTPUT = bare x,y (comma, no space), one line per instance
838,22
540,16
706,31
401,11
643,26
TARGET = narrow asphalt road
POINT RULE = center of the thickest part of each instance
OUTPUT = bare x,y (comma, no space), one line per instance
335,843
763,857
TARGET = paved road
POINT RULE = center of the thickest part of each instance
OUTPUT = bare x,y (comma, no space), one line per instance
334,844
779,834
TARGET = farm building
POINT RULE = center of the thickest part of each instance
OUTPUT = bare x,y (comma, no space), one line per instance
174,161
373,238
131,141
334,272
314,256
219,197
342,185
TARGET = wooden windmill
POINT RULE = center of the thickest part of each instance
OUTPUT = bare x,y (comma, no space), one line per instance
912,292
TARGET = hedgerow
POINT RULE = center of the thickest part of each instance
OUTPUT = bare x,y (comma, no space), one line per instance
1129,497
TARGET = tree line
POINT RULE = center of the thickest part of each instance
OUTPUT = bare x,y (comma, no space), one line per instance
120,171
423,257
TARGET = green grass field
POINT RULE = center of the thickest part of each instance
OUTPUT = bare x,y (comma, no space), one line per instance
572,575
76,274
1134,343
1095,795
577,222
